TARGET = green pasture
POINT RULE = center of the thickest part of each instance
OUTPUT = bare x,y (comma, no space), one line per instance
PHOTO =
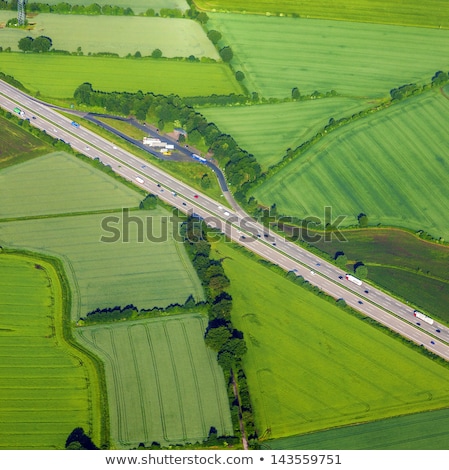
17,145
47,388
112,273
59,183
400,262
137,6
58,76
432,13
392,166
311,366
268,130
123,35
358,60
421,431
164,385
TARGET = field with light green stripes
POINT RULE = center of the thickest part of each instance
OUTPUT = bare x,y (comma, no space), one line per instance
311,365
58,76
132,270
268,130
47,388
423,431
164,384
58,183
392,166
277,54
431,13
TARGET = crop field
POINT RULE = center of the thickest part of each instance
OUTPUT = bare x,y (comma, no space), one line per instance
268,130
46,387
54,175
311,366
423,431
123,35
164,385
359,60
17,146
137,6
106,274
402,263
432,13
392,166
59,76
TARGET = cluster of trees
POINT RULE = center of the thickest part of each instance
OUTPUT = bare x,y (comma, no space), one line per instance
117,313
220,334
79,440
240,166
40,44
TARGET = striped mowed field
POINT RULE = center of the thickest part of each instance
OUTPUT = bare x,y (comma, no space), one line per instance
312,366
47,387
392,166
164,385
358,60
268,130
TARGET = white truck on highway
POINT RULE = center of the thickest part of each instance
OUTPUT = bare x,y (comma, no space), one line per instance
139,180
353,279
423,317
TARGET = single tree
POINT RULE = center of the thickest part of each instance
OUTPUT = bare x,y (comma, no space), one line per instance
156,54
226,54
26,44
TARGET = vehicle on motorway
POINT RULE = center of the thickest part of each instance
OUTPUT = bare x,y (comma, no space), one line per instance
226,213
139,180
438,331
432,342
75,124
360,302
174,194
196,196
366,291
17,110
423,317
353,279
198,158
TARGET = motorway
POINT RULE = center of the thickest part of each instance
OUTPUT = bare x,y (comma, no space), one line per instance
234,223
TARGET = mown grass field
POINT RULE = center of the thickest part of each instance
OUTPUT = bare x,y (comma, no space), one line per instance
146,274
141,271
402,263
47,388
17,146
359,60
268,130
311,366
164,384
423,431
59,76
392,166
123,35
60,183
433,13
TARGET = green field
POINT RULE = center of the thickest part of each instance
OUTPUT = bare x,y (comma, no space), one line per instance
268,130
431,13
402,263
143,273
311,366
59,76
47,388
359,60
123,35
35,188
423,431
392,166
17,145
164,385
